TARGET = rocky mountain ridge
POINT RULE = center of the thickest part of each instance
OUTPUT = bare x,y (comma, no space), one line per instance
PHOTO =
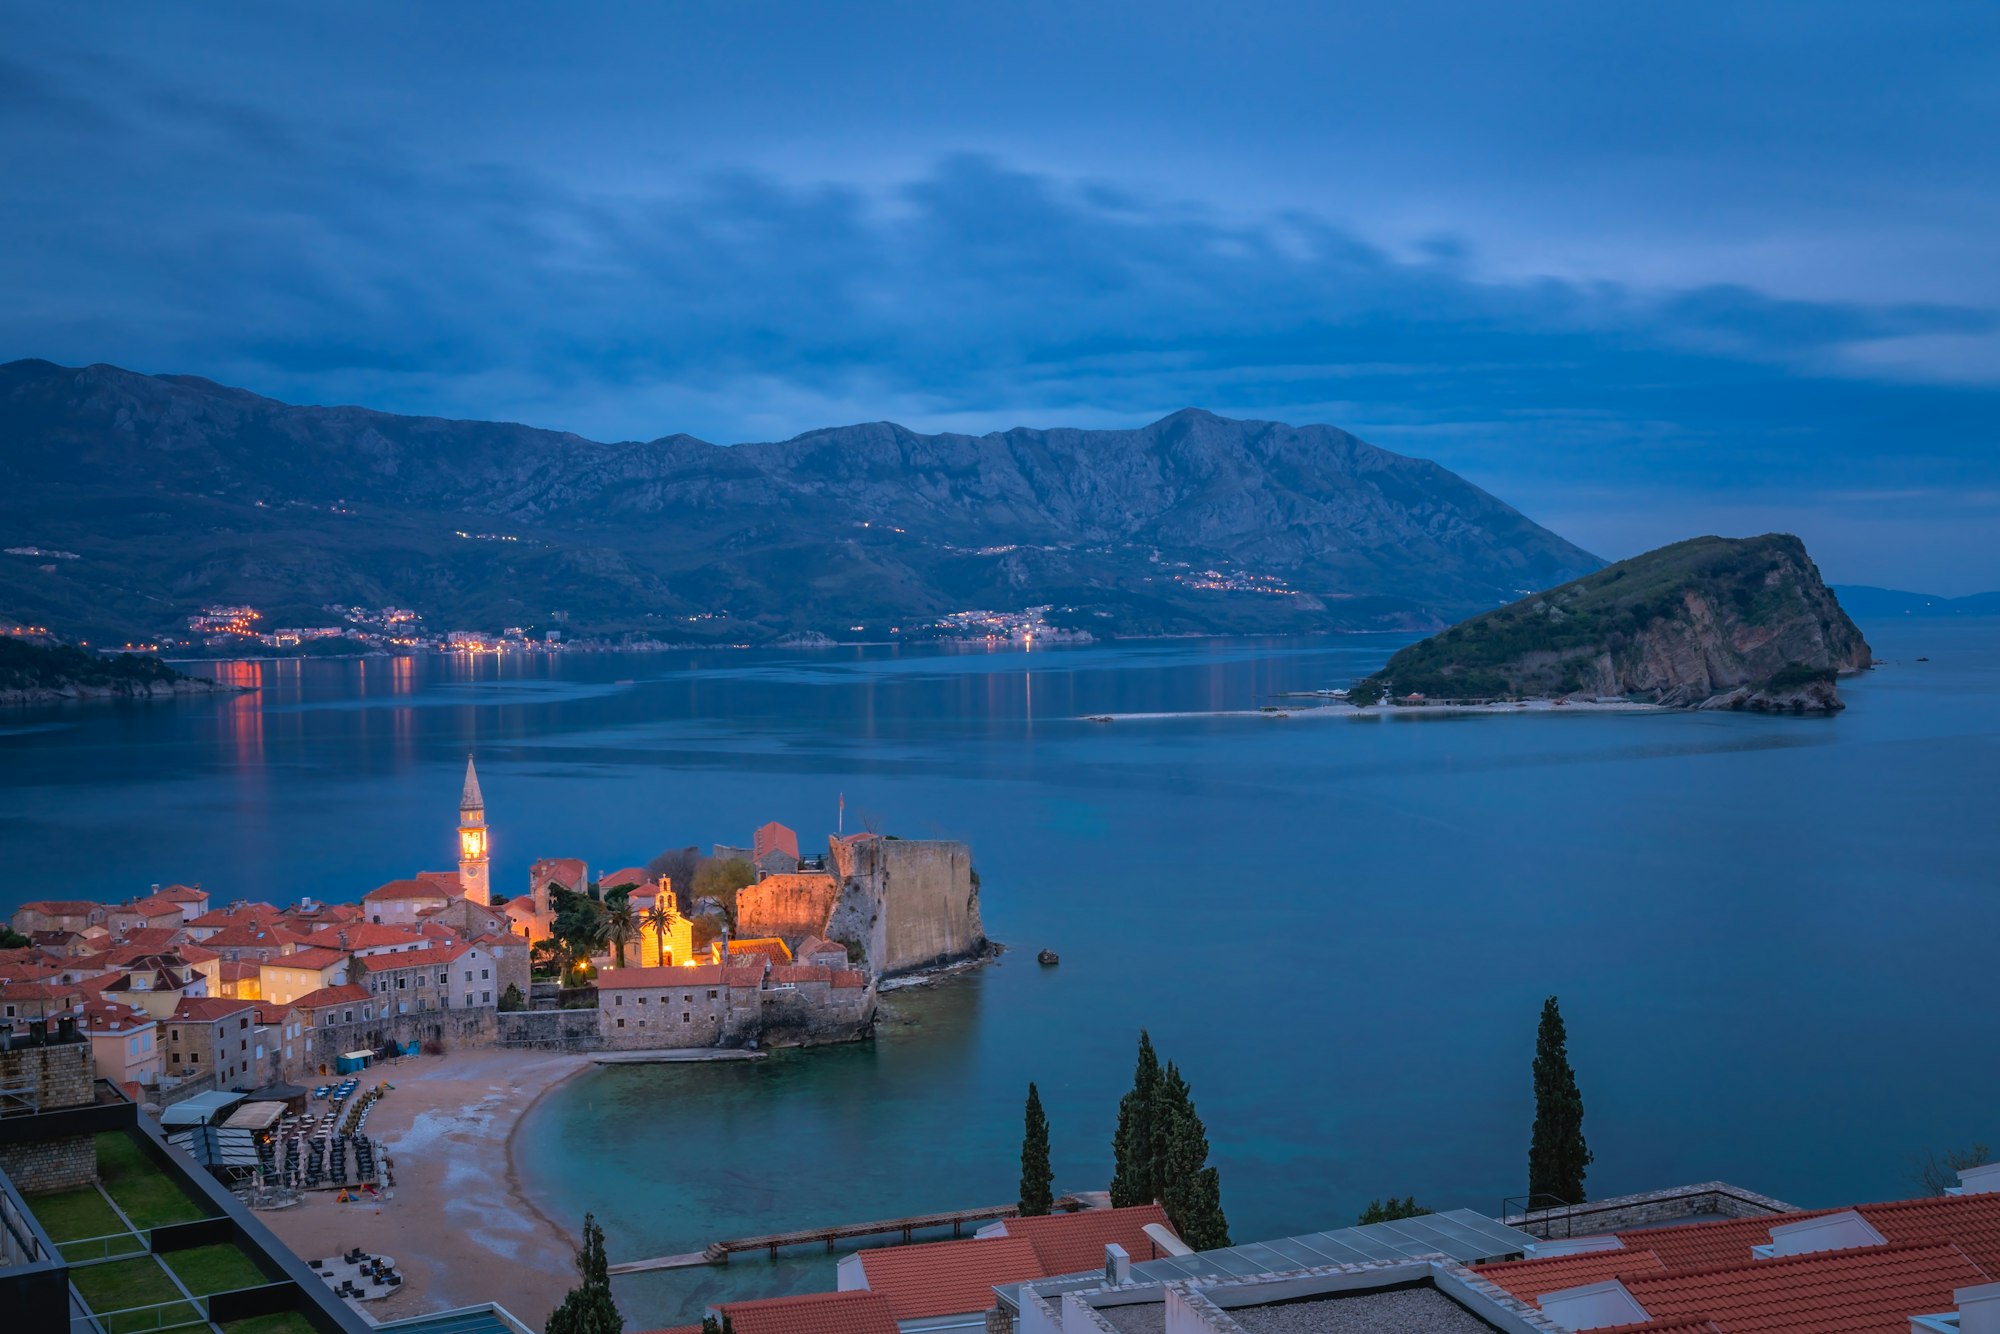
1738,623
173,492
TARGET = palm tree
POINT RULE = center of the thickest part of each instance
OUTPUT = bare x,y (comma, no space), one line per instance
657,919
620,925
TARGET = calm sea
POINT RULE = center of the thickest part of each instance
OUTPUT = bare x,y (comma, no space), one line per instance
1772,937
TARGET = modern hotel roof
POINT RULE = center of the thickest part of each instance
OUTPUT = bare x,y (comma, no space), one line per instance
1460,1234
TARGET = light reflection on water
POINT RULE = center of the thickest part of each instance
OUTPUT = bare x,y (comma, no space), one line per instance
1768,933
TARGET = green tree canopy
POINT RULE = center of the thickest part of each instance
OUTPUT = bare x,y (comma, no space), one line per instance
1558,1158
511,1000
1190,1190
1379,1211
588,1309
1133,1180
1037,1177
719,880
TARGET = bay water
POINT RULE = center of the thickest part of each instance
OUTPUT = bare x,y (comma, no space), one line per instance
1772,937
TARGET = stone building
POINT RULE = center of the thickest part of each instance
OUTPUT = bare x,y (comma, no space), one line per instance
300,973
157,911
404,902
208,1035
708,1005
57,915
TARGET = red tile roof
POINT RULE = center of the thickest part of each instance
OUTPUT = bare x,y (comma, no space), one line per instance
61,907
1074,1243
701,975
435,957
1970,1222
848,977
770,947
630,875
774,837
346,994
948,1277
103,1016
184,893
207,1009
858,1312
309,957
363,936
155,905
1529,1279
795,973
405,889
1693,1245
1868,1290
1663,1327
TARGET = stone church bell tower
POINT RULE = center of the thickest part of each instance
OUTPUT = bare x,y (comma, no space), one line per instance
472,881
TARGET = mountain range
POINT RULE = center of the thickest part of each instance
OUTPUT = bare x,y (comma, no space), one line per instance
1865,600
130,501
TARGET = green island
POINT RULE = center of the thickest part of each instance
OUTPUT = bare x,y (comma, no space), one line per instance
1710,622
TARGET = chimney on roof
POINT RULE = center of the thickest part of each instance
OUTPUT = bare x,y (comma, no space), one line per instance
1978,1309
1117,1265
1982,1180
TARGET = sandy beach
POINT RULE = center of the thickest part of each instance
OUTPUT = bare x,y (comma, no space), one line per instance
459,1226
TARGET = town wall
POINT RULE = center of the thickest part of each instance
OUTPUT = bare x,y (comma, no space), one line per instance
790,907
555,1030
911,903
324,1043
809,1013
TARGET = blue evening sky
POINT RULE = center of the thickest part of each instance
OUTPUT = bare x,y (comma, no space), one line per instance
1643,271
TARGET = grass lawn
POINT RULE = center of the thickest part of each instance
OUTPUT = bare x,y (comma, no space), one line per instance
128,1283
143,1189
218,1268
284,1322
70,1214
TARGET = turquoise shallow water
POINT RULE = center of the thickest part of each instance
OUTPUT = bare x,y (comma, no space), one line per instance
1770,935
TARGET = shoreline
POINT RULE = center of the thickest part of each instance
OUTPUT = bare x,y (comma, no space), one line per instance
1541,706
461,1232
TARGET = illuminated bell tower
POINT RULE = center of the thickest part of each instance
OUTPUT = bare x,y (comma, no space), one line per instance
472,882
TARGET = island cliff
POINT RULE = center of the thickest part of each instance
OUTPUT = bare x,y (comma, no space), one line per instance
51,673
1739,623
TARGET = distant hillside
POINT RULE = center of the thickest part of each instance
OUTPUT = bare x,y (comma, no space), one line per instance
1737,622
1864,601
174,492
47,673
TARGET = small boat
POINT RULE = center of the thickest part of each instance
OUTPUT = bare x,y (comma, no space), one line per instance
1923,659
1048,958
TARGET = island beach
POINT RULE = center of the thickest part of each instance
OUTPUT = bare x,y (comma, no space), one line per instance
457,1223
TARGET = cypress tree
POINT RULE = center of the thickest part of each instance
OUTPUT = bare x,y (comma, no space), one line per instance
588,1309
1133,1180
1170,1098
1037,1177
1190,1190
1557,1154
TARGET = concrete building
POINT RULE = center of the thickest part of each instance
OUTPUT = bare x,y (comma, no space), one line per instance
300,973
124,1042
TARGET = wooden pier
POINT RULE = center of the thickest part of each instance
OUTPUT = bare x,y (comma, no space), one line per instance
718,1252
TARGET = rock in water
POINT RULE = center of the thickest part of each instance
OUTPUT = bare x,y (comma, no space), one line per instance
1048,958
1727,623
